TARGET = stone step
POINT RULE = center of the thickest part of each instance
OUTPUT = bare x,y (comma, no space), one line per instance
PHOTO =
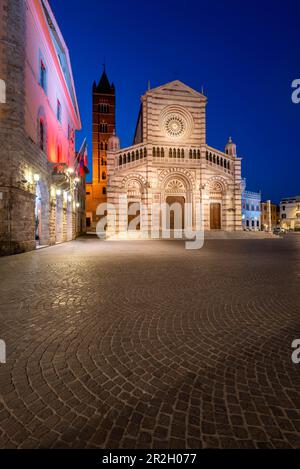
221,234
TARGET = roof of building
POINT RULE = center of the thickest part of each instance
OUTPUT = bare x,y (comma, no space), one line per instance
296,198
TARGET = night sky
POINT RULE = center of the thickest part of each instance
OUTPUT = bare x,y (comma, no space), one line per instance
244,53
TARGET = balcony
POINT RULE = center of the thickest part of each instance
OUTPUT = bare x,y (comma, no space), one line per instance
131,156
176,155
217,158
170,155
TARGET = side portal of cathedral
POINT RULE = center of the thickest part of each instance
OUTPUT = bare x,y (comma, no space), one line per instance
171,163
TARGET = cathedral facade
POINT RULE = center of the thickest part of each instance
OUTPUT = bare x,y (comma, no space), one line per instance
170,163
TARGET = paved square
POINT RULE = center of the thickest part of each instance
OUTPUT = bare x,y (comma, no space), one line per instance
145,344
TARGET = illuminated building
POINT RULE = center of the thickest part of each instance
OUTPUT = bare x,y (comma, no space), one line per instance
290,213
40,173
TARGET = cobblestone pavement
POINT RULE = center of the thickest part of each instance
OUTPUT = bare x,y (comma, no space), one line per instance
146,344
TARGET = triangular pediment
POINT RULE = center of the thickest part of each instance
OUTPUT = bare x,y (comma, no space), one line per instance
176,86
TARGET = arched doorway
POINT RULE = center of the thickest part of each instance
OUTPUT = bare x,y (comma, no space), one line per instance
216,196
177,193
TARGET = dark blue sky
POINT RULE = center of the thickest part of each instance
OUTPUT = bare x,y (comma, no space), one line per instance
245,54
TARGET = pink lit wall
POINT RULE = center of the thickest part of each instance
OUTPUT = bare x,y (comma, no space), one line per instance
41,104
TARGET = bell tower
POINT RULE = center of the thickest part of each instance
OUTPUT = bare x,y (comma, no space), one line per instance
104,123
104,112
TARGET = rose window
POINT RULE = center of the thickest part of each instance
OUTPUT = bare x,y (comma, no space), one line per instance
174,125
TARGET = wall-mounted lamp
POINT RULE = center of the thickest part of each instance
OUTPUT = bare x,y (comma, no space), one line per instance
70,198
77,204
58,192
36,177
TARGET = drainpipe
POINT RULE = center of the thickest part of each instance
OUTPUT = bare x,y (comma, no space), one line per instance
269,216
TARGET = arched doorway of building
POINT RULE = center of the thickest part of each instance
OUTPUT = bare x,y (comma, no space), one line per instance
176,211
215,216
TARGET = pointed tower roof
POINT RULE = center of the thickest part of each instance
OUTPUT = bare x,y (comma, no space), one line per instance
104,85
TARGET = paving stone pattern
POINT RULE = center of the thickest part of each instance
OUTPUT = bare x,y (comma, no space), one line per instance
143,344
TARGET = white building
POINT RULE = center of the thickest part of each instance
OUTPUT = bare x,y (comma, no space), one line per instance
170,161
290,213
